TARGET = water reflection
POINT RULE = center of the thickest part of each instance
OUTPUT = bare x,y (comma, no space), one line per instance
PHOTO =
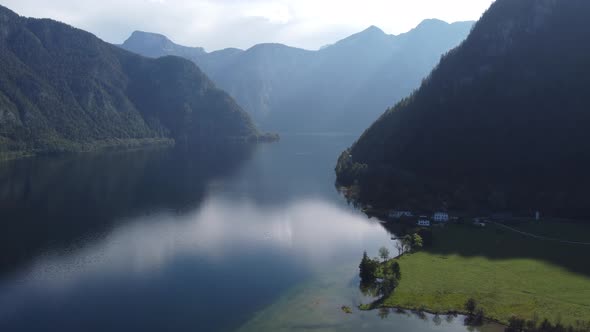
313,232
284,244
56,203
156,240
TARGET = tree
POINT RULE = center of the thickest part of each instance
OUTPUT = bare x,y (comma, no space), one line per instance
515,324
383,313
437,320
417,242
470,306
388,285
385,284
399,247
407,243
478,317
370,288
545,325
384,253
531,325
367,269
396,271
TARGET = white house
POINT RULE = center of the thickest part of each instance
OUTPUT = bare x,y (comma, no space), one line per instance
441,217
423,221
398,214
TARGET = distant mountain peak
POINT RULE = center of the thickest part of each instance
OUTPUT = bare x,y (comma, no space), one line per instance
143,34
432,26
372,30
145,37
431,23
156,45
269,46
370,34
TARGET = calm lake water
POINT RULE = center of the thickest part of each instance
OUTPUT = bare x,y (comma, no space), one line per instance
165,240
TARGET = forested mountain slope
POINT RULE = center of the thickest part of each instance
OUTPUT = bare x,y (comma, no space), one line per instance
503,122
64,89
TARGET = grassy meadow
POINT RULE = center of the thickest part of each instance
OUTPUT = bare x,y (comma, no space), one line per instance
508,274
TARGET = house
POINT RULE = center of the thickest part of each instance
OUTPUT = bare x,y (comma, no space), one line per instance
441,217
423,221
398,214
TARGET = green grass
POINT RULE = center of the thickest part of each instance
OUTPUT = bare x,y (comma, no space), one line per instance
556,230
507,273
346,309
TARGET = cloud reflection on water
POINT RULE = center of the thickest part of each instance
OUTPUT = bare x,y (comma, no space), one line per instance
311,231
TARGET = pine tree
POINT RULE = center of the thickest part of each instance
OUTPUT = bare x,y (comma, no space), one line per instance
367,269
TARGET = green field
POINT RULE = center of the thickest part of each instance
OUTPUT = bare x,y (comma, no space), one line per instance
507,273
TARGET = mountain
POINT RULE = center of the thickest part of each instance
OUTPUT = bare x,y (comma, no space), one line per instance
156,45
64,89
502,123
341,87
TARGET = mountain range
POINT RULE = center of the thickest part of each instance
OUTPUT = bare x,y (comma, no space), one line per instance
63,89
502,123
341,87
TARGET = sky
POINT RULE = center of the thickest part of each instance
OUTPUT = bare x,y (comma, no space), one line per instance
217,24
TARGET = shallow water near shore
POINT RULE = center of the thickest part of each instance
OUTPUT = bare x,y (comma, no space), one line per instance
220,240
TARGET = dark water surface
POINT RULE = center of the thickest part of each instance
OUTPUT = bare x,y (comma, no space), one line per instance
164,240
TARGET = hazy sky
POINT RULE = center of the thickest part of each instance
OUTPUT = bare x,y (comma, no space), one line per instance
216,24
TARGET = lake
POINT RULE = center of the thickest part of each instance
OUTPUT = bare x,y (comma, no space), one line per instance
219,239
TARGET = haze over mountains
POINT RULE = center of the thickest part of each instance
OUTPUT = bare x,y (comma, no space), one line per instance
63,89
342,87
503,121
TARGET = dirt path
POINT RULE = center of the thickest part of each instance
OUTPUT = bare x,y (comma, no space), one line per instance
540,237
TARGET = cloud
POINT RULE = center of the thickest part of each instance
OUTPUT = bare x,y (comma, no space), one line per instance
217,24
279,13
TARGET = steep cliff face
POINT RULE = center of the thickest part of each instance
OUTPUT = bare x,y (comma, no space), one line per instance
156,45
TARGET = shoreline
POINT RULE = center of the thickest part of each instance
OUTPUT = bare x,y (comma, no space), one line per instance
441,278
444,275
115,144
454,313
82,148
